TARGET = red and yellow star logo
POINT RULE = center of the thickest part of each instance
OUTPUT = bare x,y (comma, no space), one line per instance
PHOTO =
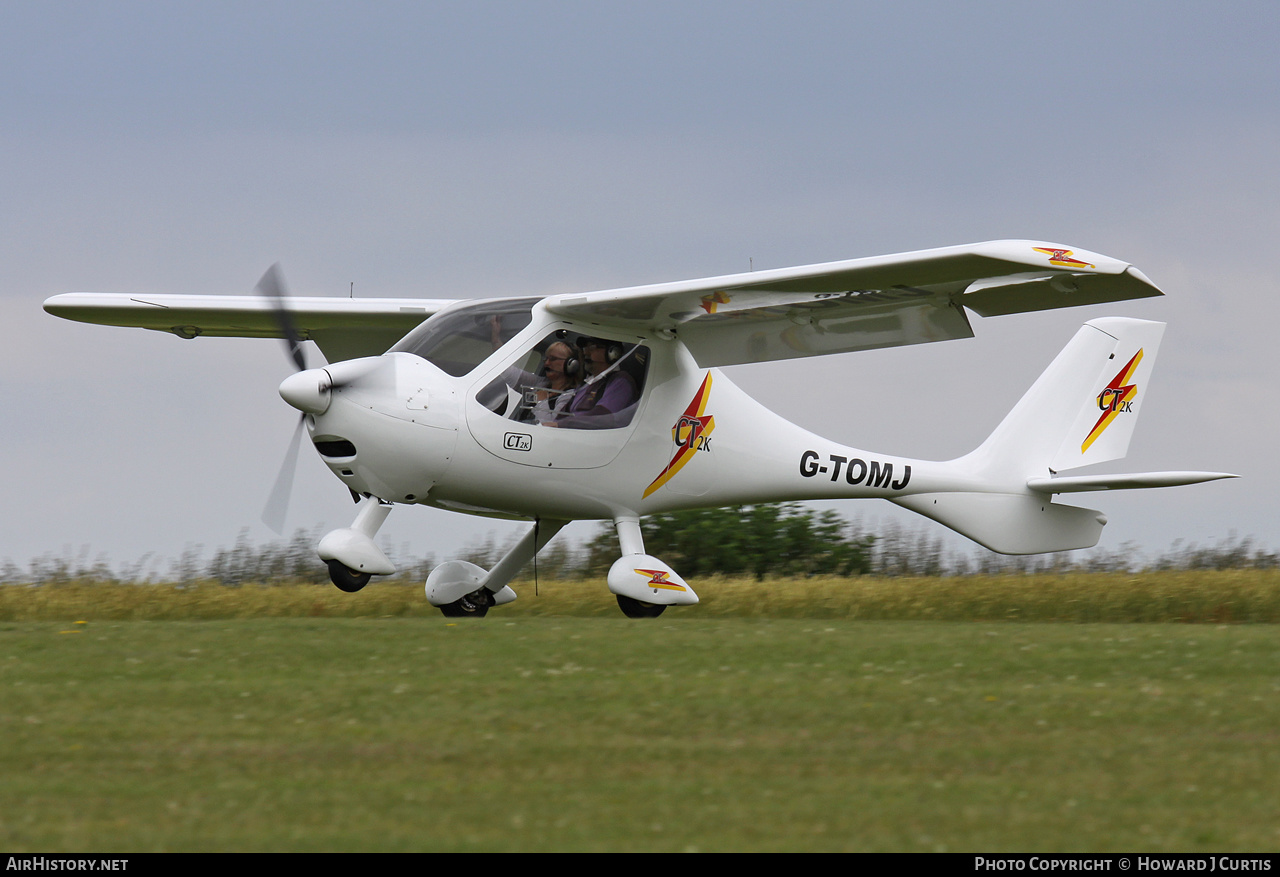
709,302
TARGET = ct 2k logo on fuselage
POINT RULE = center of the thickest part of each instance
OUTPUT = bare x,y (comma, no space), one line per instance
690,434
518,441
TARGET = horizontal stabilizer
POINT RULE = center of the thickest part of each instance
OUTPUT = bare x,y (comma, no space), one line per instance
1130,481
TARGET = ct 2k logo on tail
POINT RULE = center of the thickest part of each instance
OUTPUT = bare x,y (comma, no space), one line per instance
1116,398
691,433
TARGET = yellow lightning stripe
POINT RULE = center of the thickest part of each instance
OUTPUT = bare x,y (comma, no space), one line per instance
1062,257
658,579
683,454
1117,385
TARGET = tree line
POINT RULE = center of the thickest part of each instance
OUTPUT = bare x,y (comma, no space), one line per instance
777,539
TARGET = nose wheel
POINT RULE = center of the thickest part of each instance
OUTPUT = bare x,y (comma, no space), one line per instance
345,578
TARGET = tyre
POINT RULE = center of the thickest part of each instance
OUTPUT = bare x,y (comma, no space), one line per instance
345,578
474,605
633,608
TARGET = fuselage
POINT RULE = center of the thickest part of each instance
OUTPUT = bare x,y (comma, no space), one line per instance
482,438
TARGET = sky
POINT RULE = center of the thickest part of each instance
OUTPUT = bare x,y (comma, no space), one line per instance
461,150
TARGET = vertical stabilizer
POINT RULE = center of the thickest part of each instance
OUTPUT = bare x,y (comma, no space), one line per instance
1108,412
1081,410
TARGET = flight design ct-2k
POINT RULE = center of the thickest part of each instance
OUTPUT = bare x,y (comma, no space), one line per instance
610,405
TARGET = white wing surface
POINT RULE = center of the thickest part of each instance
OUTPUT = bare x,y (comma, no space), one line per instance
784,313
860,304
345,328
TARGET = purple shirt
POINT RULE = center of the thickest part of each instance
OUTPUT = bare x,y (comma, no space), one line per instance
605,404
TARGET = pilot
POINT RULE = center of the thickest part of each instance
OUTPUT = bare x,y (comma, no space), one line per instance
608,397
561,376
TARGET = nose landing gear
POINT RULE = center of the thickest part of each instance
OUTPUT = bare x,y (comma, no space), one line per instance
351,554
473,605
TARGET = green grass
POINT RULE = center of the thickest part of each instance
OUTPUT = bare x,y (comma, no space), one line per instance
550,732
1226,596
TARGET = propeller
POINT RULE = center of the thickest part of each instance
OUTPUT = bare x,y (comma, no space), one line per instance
273,513
309,393
271,287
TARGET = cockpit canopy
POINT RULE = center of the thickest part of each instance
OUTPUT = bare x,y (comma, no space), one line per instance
594,382
458,339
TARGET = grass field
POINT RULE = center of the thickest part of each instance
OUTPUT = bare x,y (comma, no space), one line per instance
1225,596
542,728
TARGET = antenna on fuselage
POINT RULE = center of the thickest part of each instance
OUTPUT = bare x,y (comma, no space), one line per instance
536,522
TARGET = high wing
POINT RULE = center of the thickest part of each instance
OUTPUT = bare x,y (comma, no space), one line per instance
784,313
344,328
860,304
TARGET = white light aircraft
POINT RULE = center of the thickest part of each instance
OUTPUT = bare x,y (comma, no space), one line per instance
609,405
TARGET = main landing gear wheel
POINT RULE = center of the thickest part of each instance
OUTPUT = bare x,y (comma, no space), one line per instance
633,608
474,605
345,578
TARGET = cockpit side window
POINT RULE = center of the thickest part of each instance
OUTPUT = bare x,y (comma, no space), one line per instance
459,339
569,380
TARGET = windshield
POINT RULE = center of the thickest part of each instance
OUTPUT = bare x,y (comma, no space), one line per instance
459,339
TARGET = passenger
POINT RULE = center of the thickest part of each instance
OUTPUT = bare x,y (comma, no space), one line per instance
609,396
